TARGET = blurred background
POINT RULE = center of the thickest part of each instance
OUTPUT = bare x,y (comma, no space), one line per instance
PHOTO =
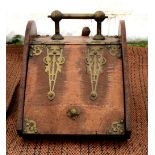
133,12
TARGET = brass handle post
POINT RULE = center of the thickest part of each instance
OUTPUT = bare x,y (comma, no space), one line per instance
98,16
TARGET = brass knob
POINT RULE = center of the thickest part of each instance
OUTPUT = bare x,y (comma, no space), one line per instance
73,113
56,15
99,16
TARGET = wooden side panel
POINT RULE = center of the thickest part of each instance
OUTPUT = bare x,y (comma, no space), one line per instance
122,34
31,30
72,89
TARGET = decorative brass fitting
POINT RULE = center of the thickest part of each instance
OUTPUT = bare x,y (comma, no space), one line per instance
94,62
114,50
117,128
53,62
29,126
73,113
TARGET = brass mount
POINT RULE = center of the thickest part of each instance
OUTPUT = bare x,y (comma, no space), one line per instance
95,62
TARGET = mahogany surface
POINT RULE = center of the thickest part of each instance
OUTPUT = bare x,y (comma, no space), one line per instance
72,89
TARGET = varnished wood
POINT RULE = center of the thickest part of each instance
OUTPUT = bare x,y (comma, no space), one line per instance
73,88
122,34
31,30
76,40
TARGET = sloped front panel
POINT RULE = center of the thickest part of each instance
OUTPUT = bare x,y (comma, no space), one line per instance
72,112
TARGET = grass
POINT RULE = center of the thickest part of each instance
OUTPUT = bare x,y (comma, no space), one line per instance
138,43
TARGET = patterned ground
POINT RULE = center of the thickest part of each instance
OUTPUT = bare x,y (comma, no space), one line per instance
137,145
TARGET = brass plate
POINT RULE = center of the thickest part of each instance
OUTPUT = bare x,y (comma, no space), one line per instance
94,62
53,62
29,126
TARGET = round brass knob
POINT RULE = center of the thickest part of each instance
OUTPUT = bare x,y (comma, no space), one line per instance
99,16
56,15
73,113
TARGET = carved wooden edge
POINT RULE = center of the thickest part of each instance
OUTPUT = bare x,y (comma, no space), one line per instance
122,35
31,31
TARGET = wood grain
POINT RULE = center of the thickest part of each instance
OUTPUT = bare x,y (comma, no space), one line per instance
122,34
72,90
31,30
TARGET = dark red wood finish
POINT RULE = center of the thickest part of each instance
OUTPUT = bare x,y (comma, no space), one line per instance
31,31
122,34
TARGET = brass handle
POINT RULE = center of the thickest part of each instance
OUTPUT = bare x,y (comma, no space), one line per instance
98,16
